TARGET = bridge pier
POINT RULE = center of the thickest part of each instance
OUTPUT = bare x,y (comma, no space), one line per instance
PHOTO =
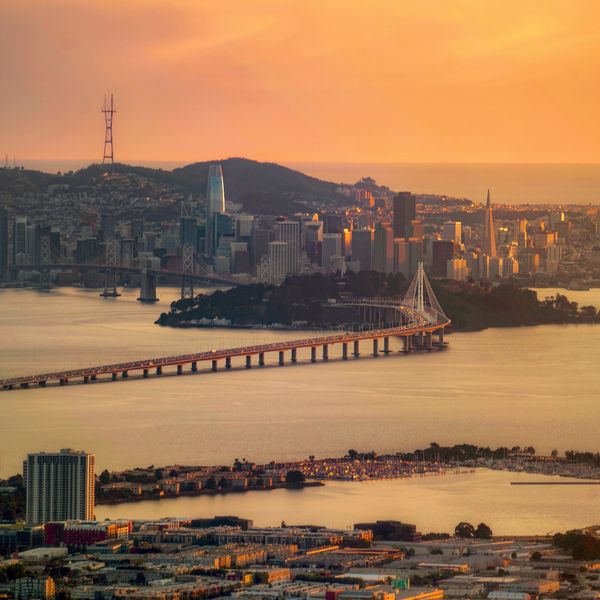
125,374
386,345
261,359
228,362
214,365
345,350
440,333
313,355
146,373
281,358
375,347
114,376
24,385
356,352
325,352
86,379
179,369
429,340
63,381
194,366
249,361
294,355
159,370
94,377
41,383
406,341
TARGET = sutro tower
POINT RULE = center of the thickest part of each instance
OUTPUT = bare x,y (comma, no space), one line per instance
109,110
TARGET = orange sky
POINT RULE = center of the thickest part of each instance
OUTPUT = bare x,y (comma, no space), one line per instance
285,80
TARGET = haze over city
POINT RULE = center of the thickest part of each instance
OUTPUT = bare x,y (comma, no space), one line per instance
510,81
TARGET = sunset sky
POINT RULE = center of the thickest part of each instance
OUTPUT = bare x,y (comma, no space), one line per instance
287,80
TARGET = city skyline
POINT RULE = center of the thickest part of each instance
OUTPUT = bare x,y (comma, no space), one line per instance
388,82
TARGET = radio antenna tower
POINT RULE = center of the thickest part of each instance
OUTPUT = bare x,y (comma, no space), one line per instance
109,110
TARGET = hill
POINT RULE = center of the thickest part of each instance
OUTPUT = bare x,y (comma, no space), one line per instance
262,188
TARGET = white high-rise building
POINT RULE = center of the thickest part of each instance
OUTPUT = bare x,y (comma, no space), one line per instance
59,486
289,232
278,261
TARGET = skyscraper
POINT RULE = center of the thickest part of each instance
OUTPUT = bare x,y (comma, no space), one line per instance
362,248
3,244
289,232
383,248
215,203
60,486
488,243
404,213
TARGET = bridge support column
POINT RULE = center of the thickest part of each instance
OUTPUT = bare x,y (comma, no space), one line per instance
93,377
124,374
375,347
146,373
313,355
440,336
114,376
159,370
228,362
281,358
294,355
41,383
429,339
24,385
356,352
325,352
179,369
194,366
214,365
406,341
386,345
86,379
345,350
249,361
261,359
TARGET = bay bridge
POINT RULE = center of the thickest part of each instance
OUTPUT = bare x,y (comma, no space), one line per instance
417,319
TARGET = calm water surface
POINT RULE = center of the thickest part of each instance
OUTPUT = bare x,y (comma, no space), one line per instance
534,385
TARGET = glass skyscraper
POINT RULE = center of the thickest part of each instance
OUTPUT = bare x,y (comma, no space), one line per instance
215,203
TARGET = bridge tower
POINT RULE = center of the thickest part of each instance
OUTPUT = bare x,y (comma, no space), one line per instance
187,270
45,259
110,273
421,298
147,287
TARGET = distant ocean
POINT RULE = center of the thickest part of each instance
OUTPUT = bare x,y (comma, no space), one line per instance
509,183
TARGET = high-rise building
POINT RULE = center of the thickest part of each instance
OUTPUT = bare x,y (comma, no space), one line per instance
289,232
59,485
332,246
404,214
488,243
312,240
443,251
456,268
362,248
278,261
452,231
3,244
215,203
383,248
19,240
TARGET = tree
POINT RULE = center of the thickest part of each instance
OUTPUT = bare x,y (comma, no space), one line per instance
464,530
554,454
294,479
158,474
104,477
352,454
483,532
535,556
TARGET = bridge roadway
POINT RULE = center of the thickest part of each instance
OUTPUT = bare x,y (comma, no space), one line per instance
417,335
209,277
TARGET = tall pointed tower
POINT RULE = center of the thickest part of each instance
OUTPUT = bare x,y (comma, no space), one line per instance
488,245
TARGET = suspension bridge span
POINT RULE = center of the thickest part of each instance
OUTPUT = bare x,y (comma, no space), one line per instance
415,319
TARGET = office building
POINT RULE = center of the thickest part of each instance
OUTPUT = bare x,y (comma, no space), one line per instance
312,240
4,275
362,248
404,208
495,268
417,229
28,588
289,232
456,268
332,246
442,252
383,248
19,240
488,243
215,203
60,486
278,261
452,231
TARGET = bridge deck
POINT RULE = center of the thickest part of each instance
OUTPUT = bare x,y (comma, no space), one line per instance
151,363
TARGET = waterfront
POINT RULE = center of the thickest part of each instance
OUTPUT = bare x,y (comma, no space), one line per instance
434,503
